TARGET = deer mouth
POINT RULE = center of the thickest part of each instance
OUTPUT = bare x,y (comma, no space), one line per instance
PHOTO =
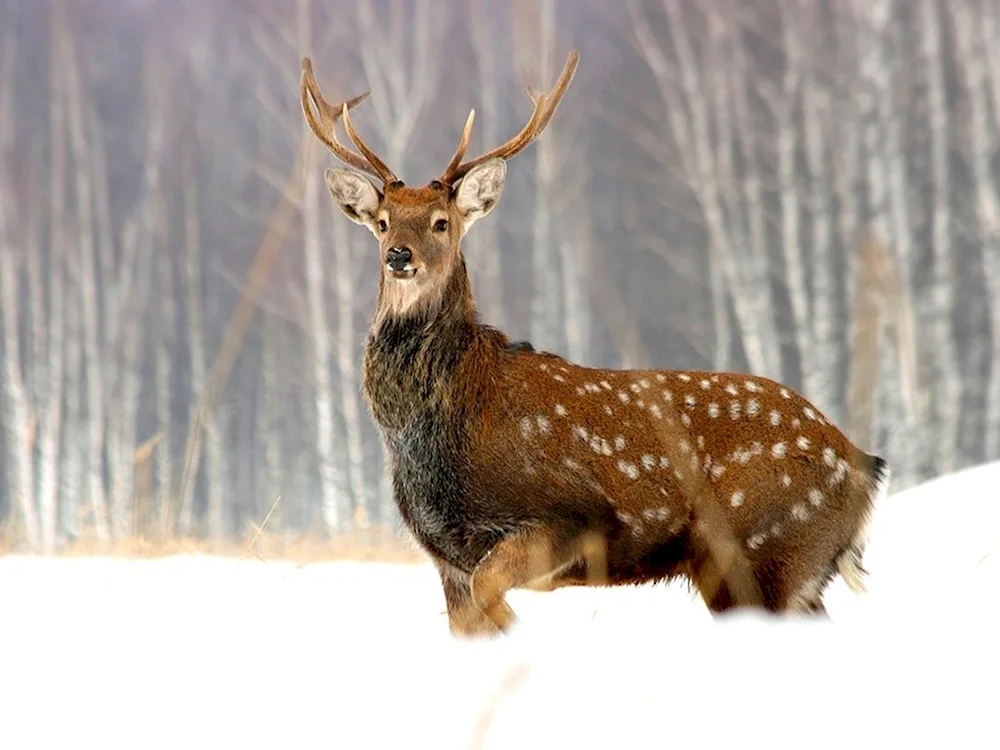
407,272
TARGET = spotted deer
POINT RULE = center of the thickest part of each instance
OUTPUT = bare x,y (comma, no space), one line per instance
515,468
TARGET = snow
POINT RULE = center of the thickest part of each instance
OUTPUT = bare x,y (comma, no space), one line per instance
201,652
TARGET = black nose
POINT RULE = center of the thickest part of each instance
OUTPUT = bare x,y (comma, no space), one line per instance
398,257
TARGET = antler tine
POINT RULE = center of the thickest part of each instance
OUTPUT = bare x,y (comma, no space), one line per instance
325,126
384,172
545,107
446,176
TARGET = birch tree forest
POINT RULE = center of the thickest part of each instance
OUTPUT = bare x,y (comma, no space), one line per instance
807,190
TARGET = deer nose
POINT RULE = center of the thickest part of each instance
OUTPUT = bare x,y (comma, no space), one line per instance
398,257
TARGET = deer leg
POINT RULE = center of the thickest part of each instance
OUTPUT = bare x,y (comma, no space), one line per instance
465,619
528,559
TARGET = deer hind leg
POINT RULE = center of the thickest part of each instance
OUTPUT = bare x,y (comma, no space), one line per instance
530,559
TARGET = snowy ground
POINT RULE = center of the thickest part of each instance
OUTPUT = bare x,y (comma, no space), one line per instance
197,652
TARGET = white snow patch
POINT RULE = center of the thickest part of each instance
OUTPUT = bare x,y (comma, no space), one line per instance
201,652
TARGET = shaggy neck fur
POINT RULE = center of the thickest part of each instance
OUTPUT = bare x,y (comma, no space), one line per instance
414,354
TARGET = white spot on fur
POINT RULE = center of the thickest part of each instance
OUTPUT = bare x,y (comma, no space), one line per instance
656,514
580,392
734,409
685,420
569,463
755,541
839,473
623,397
737,499
685,447
796,423
713,410
732,390
684,376
751,386
581,432
775,418
718,470
544,425
660,377
689,400
705,385
643,383
628,469
656,411
607,410
784,393
634,387
815,497
753,407
800,512
648,462
803,442
526,428
809,413
559,378
606,385
543,367
620,443
664,462
778,450
829,457
786,480
561,410
668,396
701,442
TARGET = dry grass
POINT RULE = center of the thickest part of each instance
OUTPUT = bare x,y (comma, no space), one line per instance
371,545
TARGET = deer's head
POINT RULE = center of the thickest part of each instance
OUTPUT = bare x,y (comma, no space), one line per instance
419,229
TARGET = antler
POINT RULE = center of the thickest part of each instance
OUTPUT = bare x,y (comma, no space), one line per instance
545,107
323,123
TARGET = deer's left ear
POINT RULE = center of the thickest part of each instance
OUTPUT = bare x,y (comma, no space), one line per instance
478,192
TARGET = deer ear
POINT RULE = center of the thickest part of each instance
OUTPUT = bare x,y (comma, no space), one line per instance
479,191
354,194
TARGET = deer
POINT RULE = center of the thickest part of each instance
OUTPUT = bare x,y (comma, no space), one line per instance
514,468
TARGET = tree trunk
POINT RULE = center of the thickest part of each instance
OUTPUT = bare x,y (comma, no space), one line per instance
945,374
334,512
89,304
17,416
982,147
546,310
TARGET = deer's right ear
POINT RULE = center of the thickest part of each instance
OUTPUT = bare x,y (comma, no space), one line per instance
355,195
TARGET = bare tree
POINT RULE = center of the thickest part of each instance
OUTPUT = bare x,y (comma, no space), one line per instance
686,99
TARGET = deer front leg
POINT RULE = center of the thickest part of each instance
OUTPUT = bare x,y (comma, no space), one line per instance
465,619
525,559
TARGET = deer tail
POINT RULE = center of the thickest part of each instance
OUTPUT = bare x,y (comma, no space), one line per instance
849,561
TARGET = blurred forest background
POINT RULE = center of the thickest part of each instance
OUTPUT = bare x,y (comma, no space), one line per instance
183,313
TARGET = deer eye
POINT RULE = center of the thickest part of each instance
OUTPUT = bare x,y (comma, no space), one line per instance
441,225
383,226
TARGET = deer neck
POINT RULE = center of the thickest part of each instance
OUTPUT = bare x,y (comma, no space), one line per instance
412,357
